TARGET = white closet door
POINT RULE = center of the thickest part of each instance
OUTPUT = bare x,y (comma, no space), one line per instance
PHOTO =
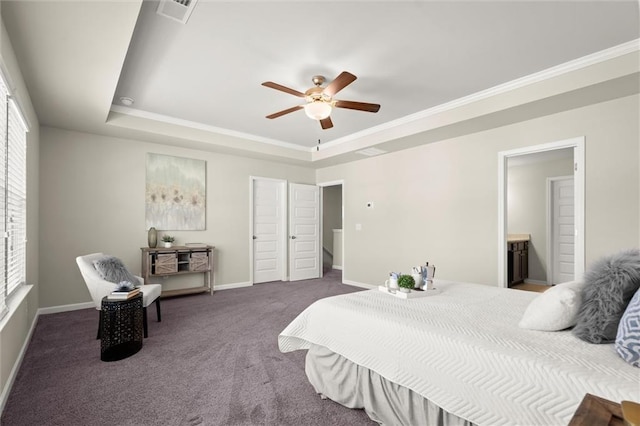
268,230
304,232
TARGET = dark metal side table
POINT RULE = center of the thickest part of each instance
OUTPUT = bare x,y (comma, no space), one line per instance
122,328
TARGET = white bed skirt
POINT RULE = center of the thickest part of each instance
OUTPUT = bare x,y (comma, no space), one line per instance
385,402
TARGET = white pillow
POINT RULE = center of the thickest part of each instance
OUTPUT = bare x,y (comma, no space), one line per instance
555,309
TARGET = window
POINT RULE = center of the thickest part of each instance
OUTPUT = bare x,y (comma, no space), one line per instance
13,197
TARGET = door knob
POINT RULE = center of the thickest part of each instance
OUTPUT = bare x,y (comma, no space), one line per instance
293,237
255,238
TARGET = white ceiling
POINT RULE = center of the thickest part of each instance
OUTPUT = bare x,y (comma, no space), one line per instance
79,58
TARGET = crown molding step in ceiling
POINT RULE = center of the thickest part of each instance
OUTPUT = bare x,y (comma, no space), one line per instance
189,73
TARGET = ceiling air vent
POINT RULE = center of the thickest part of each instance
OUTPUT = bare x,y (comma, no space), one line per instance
370,152
178,10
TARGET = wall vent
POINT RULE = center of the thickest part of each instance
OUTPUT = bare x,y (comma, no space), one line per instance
178,10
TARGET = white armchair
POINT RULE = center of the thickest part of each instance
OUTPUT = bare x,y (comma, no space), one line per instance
100,288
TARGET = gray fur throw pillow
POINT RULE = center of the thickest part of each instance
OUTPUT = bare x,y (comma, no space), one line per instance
113,270
610,284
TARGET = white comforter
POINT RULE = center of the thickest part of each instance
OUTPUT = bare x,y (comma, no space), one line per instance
463,350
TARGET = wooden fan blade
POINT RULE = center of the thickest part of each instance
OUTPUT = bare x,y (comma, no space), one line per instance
360,106
285,111
282,88
341,81
326,123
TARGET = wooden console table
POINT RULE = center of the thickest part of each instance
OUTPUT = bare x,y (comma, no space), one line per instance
178,260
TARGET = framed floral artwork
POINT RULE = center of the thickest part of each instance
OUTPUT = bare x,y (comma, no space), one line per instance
175,193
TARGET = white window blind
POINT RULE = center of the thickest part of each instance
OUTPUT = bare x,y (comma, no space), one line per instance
13,197
3,161
16,201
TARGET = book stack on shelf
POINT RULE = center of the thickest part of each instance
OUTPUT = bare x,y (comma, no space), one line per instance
123,294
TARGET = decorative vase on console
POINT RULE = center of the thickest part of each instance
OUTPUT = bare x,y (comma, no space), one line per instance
152,237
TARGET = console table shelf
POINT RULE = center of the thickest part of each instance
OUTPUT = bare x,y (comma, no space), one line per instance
179,260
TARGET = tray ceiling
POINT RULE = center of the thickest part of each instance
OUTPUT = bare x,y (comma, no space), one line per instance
204,76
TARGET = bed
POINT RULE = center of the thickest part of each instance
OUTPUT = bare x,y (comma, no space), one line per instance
455,357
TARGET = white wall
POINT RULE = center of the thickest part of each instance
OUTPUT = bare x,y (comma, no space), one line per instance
527,207
93,194
438,202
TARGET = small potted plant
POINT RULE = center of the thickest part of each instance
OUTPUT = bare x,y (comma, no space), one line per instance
167,240
406,283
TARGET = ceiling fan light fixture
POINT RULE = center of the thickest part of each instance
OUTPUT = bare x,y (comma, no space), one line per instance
317,110
319,100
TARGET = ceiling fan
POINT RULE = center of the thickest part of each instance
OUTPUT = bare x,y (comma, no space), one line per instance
319,100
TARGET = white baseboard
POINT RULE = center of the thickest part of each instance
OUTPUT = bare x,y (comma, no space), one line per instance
357,284
65,308
336,267
16,367
232,285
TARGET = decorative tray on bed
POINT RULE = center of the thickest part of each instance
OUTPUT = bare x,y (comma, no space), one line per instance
413,295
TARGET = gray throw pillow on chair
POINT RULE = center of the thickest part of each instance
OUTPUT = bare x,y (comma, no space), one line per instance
609,286
113,270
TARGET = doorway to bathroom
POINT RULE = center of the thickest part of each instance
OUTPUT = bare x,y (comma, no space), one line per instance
508,199
332,227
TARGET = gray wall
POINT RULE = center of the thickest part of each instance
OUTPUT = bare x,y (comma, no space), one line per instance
93,193
527,207
441,205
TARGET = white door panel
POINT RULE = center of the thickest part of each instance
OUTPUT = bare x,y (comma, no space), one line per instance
563,230
265,210
566,268
304,232
307,265
306,212
268,230
305,247
266,264
265,246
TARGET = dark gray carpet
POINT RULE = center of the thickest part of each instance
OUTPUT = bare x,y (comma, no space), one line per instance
213,360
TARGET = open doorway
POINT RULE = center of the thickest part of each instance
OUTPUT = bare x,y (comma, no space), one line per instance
332,232
510,251
528,216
